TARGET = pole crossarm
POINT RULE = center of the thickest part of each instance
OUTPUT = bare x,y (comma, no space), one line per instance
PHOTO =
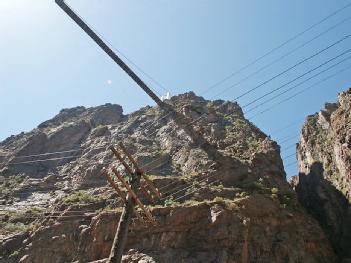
112,183
104,172
128,168
135,171
121,159
139,170
133,194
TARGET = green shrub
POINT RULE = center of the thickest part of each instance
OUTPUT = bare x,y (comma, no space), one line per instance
274,190
241,194
274,196
35,210
11,182
220,186
81,197
230,205
9,227
14,254
170,202
218,199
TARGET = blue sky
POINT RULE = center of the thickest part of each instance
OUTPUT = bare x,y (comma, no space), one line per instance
48,63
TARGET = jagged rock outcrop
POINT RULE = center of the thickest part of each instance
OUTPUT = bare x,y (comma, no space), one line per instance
225,194
324,181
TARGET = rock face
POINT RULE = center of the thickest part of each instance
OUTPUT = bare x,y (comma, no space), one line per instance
225,194
324,182
252,229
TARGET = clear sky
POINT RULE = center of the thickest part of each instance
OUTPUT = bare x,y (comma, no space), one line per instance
47,63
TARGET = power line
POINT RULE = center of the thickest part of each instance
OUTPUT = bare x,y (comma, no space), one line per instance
140,69
294,66
289,139
49,191
277,48
55,216
40,208
34,191
286,137
51,153
300,92
297,85
42,205
281,57
48,153
166,186
170,193
45,160
154,167
196,190
289,156
300,76
287,126
289,147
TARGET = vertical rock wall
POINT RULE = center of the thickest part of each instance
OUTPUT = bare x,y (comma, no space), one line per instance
324,181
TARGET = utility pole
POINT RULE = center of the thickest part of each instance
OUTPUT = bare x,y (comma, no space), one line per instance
68,10
147,188
121,235
131,200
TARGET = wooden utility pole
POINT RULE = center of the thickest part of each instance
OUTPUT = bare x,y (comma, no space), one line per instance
68,10
121,236
131,200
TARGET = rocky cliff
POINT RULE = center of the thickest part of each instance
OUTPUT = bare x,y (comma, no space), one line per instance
225,194
324,181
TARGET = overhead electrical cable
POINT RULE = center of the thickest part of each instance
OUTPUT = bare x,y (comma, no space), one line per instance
280,58
50,153
294,66
297,78
289,139
169,193
196,190
45,160
289,156
289,147
278,47
297,85
47,153
299,92
287,126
